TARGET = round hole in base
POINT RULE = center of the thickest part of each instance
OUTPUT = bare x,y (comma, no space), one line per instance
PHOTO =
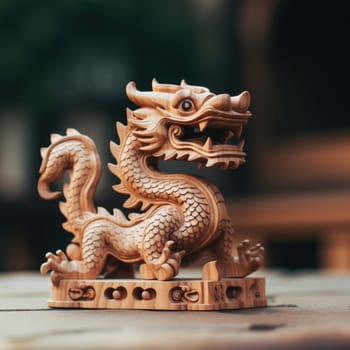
116,293
144,294
234,292
119,293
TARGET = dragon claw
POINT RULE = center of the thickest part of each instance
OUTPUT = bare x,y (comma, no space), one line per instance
58,264
252,257
165,254
174,261
165,267
165,272
52,256
44,268
50,264
61,255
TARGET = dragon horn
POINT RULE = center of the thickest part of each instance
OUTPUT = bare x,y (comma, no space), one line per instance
183,83
142,99
171,88
149,98
155,85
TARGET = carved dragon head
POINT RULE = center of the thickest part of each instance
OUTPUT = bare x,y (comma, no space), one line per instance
189,122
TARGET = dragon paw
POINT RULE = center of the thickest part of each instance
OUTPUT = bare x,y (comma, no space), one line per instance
165,267
251,258
55,262
59,265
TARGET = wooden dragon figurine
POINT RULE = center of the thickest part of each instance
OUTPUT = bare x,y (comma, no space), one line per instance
180,214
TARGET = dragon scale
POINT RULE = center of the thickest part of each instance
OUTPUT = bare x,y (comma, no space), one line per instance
192,198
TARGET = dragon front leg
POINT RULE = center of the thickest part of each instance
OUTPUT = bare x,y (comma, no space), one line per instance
250,258
161,262
94,253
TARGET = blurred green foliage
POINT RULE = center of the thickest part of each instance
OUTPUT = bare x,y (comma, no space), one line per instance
61,50
62,60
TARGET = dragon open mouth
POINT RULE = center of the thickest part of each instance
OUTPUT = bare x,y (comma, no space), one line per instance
212,137
191,123
209,144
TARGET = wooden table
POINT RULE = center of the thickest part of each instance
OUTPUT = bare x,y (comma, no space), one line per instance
306,311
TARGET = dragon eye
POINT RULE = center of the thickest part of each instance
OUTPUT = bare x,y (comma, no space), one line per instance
186,105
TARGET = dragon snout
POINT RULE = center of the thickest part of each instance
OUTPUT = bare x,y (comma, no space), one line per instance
221,102
225,102
241,103
44,190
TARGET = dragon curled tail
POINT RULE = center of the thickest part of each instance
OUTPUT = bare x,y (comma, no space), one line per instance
180,214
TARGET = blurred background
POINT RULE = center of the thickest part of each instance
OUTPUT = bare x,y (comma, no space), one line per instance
66,63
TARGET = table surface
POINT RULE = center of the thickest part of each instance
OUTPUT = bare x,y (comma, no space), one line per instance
309,310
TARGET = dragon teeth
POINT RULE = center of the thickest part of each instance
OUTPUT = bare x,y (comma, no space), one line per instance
210,162
224,165
208,144
203,125
234,165
230,133
241,145
238,131
193,156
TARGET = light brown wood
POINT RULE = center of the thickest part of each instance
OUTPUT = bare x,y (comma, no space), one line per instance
180,214
305,161
335,251
297,211
201,295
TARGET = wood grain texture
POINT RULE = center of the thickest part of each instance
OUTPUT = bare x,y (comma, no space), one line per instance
159,295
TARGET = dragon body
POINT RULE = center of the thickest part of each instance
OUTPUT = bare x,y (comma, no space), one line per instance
180,214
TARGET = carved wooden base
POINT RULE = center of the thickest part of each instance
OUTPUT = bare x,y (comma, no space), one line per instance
191,294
